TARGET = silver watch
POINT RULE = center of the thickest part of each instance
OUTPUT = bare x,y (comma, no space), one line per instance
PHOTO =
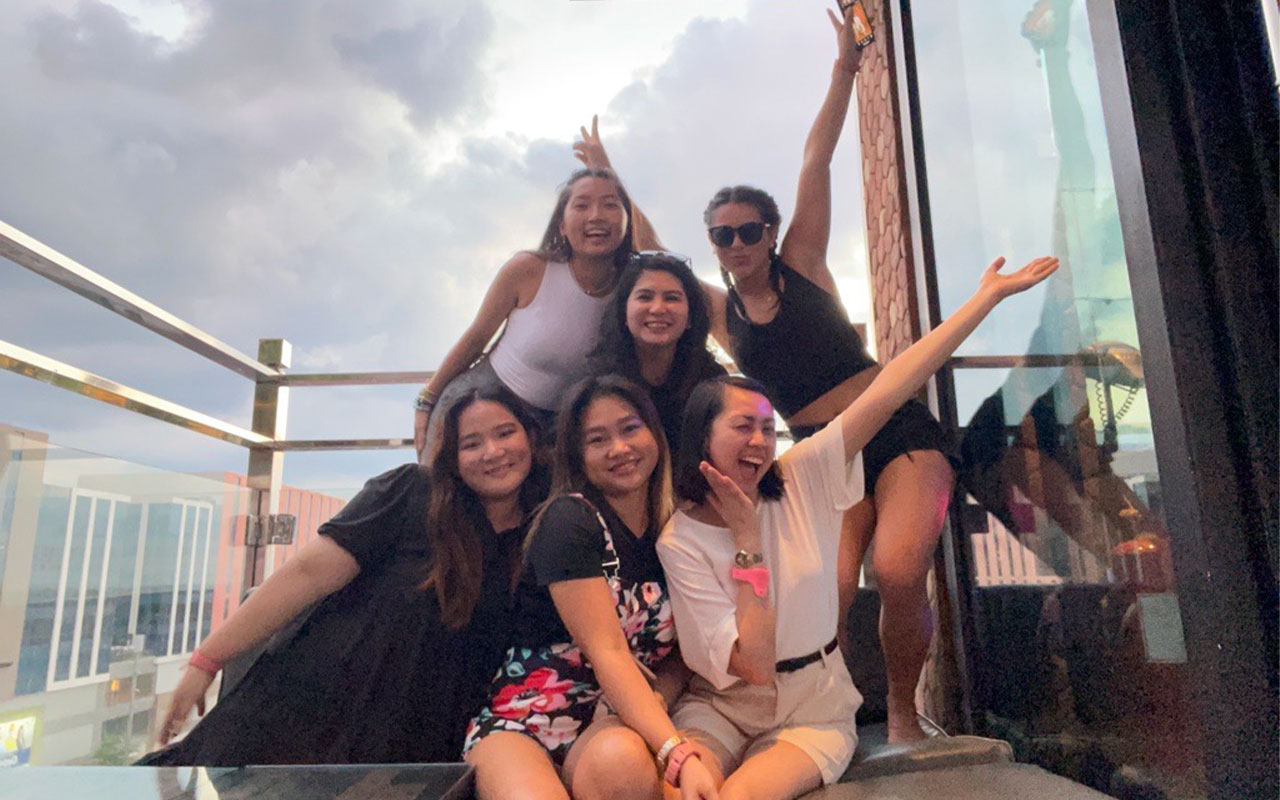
747,560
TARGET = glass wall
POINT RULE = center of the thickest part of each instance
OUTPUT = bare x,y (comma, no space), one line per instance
112,574
1078,658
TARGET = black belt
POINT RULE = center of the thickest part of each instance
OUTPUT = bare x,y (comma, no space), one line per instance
800,662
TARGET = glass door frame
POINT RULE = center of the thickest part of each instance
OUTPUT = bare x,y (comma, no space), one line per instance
1222,584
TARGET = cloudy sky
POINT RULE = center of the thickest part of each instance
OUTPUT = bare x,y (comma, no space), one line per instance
349,176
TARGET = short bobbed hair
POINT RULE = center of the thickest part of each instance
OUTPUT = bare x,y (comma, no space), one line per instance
705,404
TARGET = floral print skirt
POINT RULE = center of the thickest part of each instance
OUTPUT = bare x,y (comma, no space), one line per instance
548,693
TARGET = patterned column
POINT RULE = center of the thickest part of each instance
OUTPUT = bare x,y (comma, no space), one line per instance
889,246
894,301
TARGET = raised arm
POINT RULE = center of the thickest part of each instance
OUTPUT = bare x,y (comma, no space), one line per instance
804,247
319,569
590,151
902,377
586,607
520,276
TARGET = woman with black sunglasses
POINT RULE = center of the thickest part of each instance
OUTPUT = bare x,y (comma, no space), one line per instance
783,321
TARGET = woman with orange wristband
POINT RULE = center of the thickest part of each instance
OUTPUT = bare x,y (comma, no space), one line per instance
411,586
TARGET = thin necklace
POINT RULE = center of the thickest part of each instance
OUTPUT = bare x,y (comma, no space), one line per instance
600,291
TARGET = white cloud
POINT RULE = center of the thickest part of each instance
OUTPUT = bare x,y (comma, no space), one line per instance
351,176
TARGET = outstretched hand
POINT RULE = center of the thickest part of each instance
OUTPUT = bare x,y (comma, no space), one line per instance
848,54
1002,286
588,148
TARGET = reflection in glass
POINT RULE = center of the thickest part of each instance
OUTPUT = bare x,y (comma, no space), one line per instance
101,538
1080,646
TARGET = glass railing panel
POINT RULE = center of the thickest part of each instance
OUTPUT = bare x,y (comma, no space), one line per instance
112,572
1079,653
1080,656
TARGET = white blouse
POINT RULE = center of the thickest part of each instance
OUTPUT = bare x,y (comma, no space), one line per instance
800,537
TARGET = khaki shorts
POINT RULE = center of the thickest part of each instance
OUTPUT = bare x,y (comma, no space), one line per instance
812,708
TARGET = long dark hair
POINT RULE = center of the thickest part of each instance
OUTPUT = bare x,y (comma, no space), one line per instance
567,472
555,247
762,202
456,522
616,351
705,404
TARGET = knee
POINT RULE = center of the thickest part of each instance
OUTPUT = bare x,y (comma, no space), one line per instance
901,573
617,763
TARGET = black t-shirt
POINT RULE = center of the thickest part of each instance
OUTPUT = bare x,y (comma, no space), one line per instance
568,544
670,401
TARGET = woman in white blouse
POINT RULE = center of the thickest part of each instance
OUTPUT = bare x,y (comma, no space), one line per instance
751,566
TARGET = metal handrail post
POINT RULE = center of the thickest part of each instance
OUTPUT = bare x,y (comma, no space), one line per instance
266,464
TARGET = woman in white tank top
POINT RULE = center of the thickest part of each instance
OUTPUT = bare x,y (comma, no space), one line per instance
551,300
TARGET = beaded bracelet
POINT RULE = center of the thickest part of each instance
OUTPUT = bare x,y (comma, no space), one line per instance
664,752
676,760
426,399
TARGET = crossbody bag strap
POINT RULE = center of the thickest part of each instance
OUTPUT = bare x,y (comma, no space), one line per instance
610,564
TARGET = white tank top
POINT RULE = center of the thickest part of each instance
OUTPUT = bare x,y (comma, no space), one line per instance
544,349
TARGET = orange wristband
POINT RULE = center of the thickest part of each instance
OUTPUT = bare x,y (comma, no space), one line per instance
203,663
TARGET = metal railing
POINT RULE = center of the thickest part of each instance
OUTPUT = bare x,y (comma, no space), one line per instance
265,438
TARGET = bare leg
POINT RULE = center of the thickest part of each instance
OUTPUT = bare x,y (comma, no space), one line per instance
511,766
855,535
609,760
781,772
911,497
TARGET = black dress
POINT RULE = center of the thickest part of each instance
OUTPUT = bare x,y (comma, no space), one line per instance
372,676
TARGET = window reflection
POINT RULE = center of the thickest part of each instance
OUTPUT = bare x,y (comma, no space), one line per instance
1079,642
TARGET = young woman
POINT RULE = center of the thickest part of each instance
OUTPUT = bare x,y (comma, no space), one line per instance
750,564
413,584
784,324
655,334
592,620
551,301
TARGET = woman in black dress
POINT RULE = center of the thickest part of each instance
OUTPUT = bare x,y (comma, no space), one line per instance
655,333
412,580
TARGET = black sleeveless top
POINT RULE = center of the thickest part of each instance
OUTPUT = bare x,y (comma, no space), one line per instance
807,349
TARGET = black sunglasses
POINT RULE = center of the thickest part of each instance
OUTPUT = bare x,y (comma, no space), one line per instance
750,233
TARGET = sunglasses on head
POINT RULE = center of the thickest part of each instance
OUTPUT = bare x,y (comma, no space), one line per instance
662,255
750,233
